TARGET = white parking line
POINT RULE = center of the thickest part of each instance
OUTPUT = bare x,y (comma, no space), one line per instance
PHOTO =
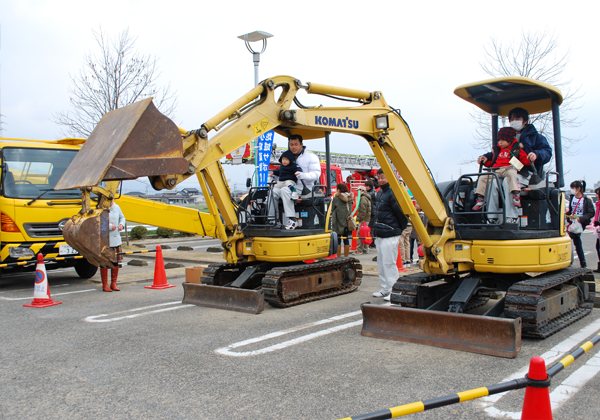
572,384
95,318
29,289
227,350
585,253
575,382
53,294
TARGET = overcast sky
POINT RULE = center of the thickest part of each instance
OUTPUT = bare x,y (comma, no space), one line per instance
416,53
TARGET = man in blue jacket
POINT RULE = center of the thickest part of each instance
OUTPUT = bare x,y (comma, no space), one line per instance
534,144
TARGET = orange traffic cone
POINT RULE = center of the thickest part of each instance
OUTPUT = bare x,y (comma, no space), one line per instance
41,290
399,262
354,240
160,276
536,405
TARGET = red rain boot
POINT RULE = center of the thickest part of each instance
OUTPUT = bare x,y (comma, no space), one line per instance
104,277
114,273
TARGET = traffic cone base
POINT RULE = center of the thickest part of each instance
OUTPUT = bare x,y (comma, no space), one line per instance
42,303
160,276
167,286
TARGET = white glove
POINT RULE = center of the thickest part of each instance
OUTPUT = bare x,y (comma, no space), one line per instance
300,175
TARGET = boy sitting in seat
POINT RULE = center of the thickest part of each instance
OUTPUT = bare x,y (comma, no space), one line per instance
286,173
506,161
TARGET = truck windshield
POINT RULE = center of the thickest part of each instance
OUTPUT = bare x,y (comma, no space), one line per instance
29,172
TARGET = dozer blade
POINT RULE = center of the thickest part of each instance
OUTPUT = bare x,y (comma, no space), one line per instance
221,297
476,334
88,234
129,142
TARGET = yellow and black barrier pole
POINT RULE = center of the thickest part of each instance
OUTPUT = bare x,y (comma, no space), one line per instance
356,237
416,407
72,257
566,361
136,252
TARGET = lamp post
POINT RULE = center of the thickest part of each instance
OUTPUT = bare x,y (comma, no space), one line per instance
248,38
255,37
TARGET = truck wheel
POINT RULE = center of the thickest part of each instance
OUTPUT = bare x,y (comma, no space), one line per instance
85,269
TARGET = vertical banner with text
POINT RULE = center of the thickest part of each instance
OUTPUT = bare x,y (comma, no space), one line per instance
263,156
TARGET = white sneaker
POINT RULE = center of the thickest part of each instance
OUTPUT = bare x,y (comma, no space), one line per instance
380,294
291,224
295,195
388,297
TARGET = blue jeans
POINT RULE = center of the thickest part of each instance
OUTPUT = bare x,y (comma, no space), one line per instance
578,248
346,234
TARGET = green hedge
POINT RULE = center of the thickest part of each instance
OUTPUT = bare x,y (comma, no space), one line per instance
138,232
164,233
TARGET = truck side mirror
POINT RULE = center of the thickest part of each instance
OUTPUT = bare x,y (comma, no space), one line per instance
248,182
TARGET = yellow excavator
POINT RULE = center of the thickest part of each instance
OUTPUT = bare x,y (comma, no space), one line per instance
466,259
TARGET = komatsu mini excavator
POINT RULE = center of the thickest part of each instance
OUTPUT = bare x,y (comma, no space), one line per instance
465,258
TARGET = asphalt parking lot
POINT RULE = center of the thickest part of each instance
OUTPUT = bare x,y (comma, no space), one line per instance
141,353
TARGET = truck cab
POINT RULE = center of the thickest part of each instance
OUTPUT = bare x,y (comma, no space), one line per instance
32,212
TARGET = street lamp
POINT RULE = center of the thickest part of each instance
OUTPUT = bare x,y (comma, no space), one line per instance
255,37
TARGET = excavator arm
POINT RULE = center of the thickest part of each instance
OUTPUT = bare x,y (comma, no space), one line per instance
139,141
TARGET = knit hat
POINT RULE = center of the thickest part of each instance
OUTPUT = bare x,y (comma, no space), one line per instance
507,133
288,154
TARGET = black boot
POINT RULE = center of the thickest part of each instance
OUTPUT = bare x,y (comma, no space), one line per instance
598,270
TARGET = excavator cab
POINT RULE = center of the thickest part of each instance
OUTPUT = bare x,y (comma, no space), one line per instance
541,199
255,216
488,310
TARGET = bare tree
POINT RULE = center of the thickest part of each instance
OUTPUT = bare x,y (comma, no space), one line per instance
115,77
537,56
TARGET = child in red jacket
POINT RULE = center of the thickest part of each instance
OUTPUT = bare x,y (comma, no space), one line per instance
509,148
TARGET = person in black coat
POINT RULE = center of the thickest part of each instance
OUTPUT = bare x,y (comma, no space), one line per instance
581,209
389,223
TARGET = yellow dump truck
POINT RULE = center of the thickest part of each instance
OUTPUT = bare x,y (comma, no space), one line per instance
32,212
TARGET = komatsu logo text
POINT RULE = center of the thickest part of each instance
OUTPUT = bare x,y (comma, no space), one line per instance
336,122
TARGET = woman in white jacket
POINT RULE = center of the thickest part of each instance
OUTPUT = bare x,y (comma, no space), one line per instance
116,223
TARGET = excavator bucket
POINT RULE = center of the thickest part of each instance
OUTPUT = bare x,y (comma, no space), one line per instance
88,234
228,298
129,142
473,333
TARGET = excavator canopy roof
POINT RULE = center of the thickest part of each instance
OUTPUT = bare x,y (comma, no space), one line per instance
502,94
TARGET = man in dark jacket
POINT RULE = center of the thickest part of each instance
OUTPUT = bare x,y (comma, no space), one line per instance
538,151
389,224
534,144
